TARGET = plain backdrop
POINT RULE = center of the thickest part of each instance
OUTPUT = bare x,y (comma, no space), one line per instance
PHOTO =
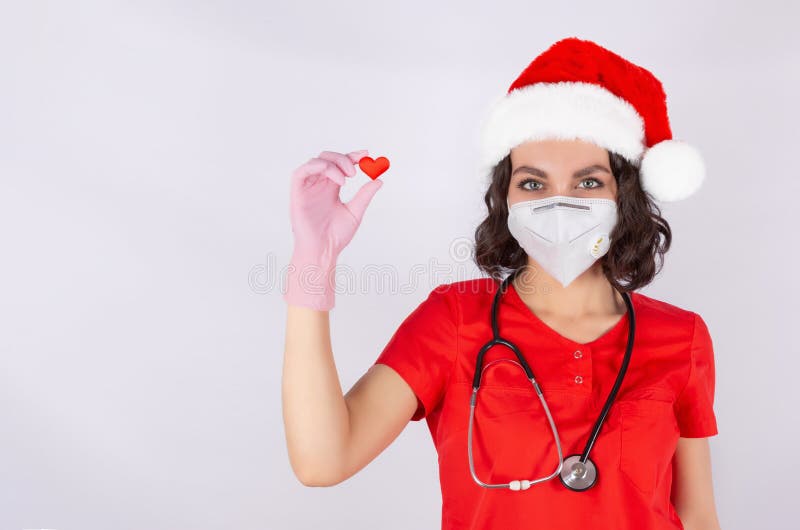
145,154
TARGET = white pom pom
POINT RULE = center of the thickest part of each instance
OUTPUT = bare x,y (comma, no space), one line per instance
672,170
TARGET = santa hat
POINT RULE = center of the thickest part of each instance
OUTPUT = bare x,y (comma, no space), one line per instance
577,89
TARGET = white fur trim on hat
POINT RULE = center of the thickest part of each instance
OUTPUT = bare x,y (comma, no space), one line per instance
567,110
671,170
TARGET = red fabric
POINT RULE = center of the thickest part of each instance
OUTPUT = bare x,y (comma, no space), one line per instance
668,392
579,60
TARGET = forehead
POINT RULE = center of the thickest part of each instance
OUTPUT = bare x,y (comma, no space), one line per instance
569,153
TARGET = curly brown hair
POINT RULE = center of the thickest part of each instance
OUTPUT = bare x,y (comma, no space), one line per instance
639,240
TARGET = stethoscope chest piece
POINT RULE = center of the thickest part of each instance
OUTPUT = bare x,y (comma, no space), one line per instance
577,475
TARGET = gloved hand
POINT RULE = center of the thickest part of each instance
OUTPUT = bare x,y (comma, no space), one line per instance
322,225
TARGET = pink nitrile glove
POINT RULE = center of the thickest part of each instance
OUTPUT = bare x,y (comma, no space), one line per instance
322,225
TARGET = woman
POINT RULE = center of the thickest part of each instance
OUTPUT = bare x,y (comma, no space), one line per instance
579,148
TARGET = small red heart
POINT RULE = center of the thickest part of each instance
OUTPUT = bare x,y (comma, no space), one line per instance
374,168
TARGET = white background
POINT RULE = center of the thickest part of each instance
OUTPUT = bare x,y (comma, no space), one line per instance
145,152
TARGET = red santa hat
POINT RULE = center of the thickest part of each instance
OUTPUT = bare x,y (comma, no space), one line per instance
577,89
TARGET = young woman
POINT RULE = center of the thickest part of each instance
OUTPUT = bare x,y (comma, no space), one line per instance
555,393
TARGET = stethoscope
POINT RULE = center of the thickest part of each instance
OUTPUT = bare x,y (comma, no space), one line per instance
577,472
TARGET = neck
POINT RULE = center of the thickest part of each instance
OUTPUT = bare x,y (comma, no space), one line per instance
589,294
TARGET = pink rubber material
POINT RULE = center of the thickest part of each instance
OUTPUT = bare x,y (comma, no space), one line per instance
322,225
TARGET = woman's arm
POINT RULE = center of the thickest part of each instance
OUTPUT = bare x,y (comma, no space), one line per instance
692,487
329,436
314,413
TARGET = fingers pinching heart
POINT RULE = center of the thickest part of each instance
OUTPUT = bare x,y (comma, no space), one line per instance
374,168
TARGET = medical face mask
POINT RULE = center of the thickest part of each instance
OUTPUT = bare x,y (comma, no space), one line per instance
565,235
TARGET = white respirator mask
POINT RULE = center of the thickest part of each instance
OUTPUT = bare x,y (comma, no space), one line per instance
565,235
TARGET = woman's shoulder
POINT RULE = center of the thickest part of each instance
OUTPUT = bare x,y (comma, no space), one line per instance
663,313
474,292
468,288
464,296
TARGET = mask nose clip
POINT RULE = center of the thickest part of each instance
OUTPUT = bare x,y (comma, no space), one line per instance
561,204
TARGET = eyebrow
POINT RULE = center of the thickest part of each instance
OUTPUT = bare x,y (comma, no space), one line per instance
578,174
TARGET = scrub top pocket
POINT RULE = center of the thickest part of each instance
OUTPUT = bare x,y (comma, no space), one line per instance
505,389
649,434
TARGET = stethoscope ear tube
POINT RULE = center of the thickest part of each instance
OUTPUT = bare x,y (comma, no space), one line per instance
496,339
618,382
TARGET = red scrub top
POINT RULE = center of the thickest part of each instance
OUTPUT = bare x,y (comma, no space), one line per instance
668,392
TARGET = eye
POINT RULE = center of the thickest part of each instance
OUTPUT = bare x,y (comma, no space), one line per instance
598,183
523,184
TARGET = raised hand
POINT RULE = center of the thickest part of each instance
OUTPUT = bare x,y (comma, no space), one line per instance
322,225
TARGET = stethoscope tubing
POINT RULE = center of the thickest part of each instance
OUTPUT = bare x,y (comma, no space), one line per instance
497,340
